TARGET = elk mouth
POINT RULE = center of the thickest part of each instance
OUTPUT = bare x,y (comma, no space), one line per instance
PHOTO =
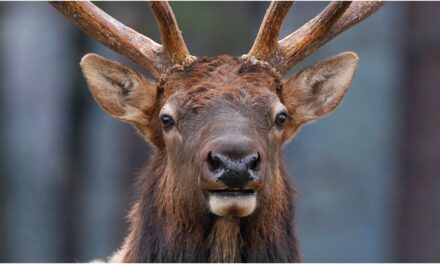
232,202
231,192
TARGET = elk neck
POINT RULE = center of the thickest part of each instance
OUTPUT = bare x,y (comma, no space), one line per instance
167,226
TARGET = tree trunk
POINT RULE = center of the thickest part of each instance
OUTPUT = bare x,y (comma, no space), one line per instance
419,230
34,107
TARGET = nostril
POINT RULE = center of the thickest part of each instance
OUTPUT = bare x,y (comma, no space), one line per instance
254,162
214,161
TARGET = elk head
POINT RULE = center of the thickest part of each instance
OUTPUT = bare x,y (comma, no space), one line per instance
220,122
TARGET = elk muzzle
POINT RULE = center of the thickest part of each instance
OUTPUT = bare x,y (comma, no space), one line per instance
231,175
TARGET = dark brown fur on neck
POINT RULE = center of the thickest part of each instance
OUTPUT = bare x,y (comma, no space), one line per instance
189,233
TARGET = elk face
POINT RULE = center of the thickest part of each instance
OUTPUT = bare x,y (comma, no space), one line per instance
221,122
224,143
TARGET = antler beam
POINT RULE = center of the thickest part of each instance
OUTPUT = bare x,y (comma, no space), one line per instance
300,40
333,20
151,56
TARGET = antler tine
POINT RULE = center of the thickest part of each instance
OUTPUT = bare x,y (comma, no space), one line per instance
151,56
337,17
172,39
300,40
110,32
266,42
297,46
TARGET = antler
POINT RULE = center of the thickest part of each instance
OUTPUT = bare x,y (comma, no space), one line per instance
333,20
266,43
153,57
172,39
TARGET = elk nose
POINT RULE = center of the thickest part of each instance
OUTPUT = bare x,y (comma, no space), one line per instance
234,166
234,173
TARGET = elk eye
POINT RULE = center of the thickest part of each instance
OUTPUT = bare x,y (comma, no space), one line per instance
281,119
167,121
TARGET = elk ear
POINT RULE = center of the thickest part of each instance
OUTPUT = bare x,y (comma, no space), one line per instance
122,92
320,88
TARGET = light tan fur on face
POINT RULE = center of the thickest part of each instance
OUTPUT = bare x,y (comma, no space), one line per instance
276,134
240,206
318,89
169,109
172,136
277,108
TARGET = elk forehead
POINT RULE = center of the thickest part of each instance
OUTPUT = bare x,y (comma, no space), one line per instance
221,72
226,87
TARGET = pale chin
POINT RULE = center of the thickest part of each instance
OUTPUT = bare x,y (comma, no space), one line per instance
239,205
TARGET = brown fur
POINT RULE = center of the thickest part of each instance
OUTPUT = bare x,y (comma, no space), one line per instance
170,221
237,106
212,98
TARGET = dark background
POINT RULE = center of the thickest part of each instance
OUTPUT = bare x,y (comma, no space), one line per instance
368,175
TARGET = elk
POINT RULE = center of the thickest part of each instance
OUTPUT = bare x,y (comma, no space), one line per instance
216,188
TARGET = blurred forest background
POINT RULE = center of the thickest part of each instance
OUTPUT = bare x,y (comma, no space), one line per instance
368,175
